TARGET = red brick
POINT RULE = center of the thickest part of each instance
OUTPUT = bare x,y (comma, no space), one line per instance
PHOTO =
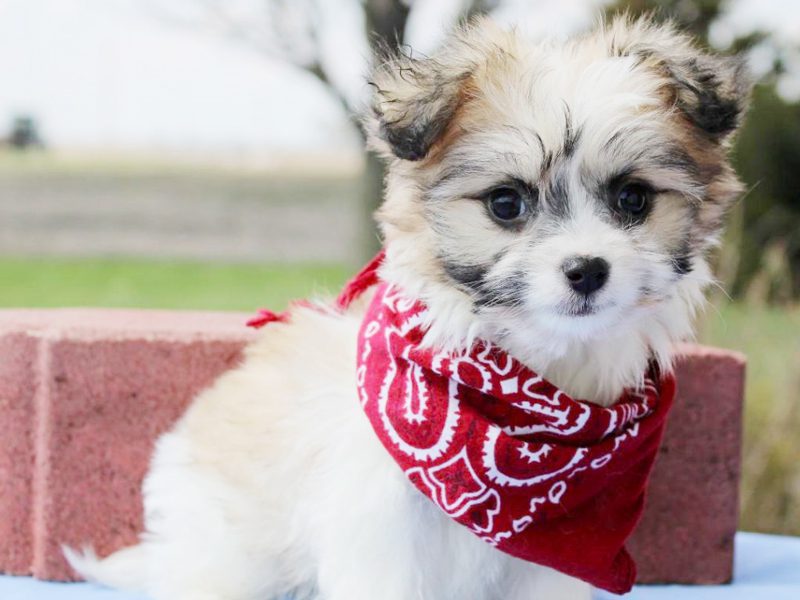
107,383
18,394
691,514
84,393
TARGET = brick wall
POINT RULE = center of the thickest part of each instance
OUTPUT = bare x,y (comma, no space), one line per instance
84,393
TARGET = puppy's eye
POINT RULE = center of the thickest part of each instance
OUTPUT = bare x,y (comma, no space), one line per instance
633,198
506,204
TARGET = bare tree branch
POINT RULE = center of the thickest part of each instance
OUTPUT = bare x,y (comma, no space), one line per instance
291,30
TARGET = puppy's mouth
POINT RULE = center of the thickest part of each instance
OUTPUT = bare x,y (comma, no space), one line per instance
583,307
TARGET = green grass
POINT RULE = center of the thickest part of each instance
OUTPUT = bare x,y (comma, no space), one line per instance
172,285
770,338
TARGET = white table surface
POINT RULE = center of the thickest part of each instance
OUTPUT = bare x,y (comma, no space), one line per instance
767,567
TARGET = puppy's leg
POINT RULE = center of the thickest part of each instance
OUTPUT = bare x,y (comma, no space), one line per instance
197,531
368,556
541,583
375,537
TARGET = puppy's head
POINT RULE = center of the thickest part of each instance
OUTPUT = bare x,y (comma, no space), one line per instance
567,189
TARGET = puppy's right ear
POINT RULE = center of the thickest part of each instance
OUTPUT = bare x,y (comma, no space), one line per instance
712,90
413,102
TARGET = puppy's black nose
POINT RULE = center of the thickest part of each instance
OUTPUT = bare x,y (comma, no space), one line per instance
586,275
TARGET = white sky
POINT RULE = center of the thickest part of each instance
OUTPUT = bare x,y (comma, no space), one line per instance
112,74
102,73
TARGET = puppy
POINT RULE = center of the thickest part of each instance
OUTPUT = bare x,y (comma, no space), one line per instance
554,199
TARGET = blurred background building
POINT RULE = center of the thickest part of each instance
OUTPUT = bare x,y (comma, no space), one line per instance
205,154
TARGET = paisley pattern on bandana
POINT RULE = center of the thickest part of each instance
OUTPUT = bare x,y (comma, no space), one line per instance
525,467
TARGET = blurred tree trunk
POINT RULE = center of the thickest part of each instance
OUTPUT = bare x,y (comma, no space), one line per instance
386,25
694,16
371,195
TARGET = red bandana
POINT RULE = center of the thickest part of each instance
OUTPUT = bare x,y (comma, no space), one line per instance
548,479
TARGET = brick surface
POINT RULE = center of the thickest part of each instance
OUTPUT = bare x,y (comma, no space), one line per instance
84,393
686,533
102,387
18,394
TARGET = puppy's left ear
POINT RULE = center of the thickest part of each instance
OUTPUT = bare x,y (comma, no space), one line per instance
415,99
712,90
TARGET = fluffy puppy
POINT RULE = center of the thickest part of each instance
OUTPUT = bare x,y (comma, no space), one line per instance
556,199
